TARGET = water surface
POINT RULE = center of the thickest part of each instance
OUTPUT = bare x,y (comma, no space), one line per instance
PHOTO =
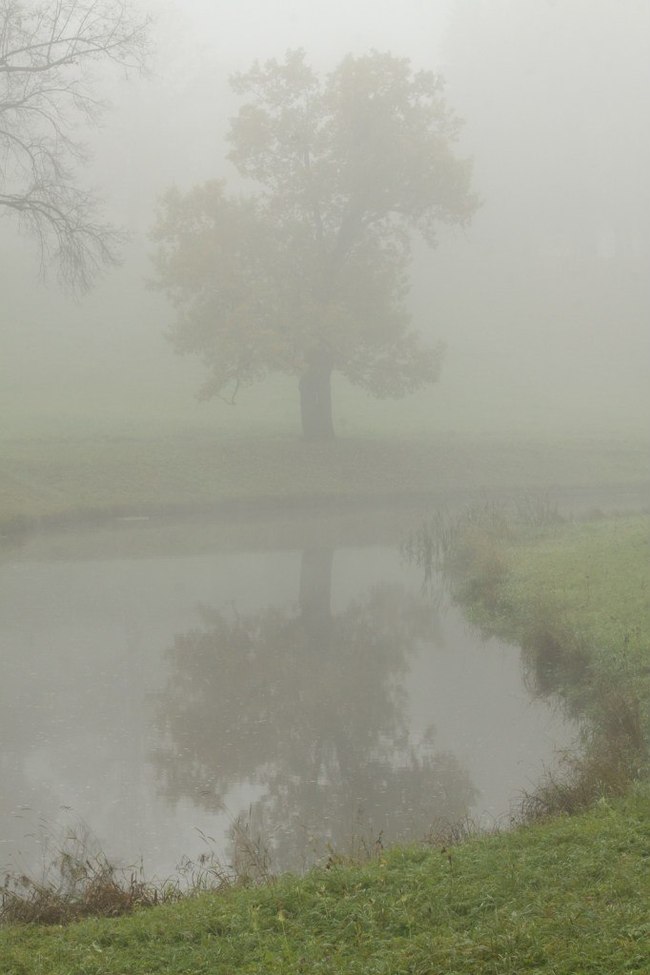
315,694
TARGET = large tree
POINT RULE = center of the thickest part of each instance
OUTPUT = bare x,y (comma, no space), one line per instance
50,54
308,272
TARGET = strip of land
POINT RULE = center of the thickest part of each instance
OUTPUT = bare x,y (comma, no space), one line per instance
85,478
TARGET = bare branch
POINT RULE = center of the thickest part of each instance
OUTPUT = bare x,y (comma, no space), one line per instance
47,57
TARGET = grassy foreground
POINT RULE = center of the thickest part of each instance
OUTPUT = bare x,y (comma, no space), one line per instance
562,896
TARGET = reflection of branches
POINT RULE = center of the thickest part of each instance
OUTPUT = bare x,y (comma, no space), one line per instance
394,797
251,685
308,707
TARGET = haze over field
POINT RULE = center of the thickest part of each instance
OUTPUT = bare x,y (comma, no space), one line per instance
246,597
543,301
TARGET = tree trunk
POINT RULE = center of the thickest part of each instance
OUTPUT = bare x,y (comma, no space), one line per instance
316,597
316,402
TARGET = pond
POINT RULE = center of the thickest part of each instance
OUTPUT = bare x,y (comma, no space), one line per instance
167,693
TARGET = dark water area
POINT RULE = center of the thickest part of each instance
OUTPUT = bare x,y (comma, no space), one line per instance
163,687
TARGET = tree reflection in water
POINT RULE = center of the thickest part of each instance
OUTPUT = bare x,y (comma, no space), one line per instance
308,706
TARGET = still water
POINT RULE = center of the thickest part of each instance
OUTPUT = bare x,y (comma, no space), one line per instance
314,694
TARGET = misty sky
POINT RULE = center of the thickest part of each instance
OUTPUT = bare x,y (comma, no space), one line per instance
546,296
235,32
198,45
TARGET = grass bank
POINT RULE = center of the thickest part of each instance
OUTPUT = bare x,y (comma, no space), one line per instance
564,896
576,598
575,595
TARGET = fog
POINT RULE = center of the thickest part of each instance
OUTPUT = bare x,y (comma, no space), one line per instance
542,300
203,613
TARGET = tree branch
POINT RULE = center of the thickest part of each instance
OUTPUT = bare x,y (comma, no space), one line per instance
44,87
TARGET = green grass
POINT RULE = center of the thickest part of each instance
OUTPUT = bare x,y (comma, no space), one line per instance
599,574
39,478
563,897
571,588
595,573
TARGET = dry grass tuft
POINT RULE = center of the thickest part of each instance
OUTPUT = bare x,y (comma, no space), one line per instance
83,888
77,884
614,757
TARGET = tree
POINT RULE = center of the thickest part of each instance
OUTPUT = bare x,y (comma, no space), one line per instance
307,274
48,59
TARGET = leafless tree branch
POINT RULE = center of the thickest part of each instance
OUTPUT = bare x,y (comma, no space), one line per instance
48,53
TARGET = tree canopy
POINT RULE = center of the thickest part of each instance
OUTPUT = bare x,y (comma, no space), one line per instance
307,273
48,56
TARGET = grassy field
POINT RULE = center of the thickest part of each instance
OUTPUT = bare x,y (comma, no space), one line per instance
85,430
595,574
564,591
39,478
562,895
